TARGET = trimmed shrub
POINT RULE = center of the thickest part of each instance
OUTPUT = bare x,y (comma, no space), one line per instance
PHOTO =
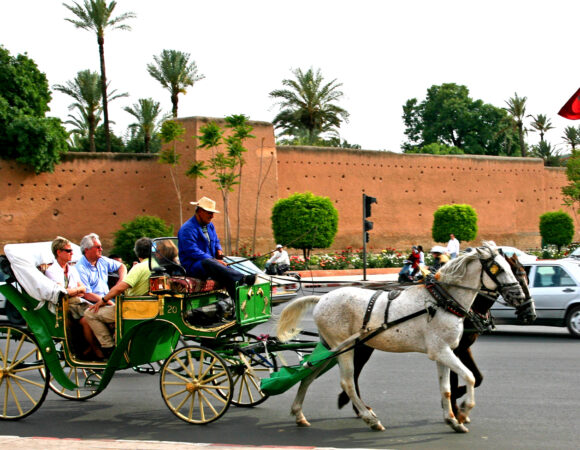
556,228
141,226
461,220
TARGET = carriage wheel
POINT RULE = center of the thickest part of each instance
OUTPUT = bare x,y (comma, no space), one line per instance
247,369
22,386
86,379
196,385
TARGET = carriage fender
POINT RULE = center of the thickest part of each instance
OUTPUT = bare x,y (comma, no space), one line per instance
41,331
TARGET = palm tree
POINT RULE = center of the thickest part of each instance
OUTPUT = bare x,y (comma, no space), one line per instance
541,124
572,137
175,73
517,109
95,15
85,89
308,106
148,114
549,154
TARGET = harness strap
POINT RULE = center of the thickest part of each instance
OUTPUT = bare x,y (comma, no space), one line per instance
369,310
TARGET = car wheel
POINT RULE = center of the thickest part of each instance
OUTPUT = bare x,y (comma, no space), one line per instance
573,321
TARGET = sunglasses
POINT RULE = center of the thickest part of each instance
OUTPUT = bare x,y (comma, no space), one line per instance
68,250
98,247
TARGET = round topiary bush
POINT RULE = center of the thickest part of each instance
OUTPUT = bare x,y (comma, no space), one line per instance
556,228
461,220
141,226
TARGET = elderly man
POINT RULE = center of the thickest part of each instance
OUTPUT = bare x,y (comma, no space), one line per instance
279,263
94,269
200,251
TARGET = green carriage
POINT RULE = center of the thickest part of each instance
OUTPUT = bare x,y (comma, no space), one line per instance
204,367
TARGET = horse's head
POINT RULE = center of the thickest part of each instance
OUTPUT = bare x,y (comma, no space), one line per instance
497,275
526,311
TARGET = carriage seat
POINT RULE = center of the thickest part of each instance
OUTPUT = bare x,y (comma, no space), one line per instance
181,285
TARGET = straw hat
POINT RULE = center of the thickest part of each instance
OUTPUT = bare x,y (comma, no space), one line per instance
206,204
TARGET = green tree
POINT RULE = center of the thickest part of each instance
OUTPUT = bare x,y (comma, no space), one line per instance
517,109
436,149
308,106
141,226
85,89
226,164
548,153
460,220
571,137
556,228
175,72
305,221
541,124
116,143
571,192
148,114
26,135
172,133
135,142
448,116
96,16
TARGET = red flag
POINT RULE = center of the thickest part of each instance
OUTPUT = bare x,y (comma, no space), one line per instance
571,110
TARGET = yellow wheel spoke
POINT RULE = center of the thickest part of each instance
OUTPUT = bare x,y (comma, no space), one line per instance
26,380
15,397
175,394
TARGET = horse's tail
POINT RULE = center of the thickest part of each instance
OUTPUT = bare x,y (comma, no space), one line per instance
291,315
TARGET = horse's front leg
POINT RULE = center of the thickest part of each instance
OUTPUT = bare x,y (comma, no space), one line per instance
345,362
296,409
447,360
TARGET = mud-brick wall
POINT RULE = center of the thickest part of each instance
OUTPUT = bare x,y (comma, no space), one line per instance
86,193
508,194
97,192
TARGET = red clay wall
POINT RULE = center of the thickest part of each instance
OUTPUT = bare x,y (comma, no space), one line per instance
98,192
508,194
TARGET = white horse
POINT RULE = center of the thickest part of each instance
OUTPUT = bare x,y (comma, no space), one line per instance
339,316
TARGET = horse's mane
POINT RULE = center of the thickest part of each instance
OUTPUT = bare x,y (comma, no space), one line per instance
455,270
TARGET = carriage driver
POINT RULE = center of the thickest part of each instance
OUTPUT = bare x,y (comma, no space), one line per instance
200,252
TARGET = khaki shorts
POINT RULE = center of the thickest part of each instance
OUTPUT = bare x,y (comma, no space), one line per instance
77,307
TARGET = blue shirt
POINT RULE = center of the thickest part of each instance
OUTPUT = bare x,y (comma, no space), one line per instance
194,247
95,278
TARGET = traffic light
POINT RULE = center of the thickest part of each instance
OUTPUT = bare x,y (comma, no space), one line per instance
367,224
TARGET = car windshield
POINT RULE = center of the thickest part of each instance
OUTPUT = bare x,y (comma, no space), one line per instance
576,253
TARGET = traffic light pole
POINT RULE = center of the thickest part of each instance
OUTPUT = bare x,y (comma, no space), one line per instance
367,225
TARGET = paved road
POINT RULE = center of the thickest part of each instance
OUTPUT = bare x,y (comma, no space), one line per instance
529,399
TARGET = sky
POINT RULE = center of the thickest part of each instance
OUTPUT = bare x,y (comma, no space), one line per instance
383,52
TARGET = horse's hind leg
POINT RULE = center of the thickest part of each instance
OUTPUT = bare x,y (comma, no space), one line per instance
345,362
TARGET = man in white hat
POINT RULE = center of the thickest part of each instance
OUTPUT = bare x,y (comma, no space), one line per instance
279,263
200,252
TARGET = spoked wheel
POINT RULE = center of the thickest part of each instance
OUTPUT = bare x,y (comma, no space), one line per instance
22,386
85,378
196,385
247,369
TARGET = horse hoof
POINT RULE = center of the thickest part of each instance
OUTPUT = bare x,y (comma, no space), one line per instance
467,420
303,423
377,427
460,428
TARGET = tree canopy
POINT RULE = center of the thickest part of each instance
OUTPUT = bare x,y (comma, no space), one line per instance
26,135
305,221
460,220
448,116
308,107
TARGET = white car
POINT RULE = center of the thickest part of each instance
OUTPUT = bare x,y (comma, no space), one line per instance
555,288
523,257
284,287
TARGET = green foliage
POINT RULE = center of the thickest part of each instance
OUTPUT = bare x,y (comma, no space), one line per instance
548,153
175,72
436,149
135,142
305,221
556,228
141,226
460,220
571,192
83,143
450,117
308,107
26,135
